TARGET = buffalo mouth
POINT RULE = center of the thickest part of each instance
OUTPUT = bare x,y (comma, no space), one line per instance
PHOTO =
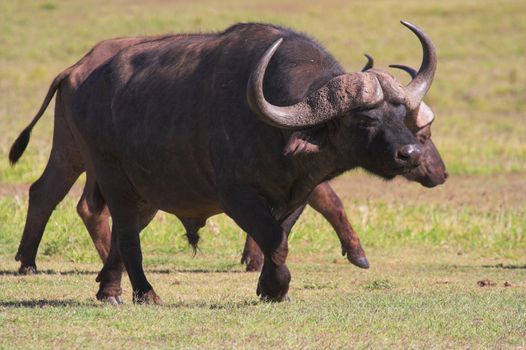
431,182
427,176
390,173
403,170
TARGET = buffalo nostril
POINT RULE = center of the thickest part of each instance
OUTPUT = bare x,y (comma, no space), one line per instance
409,154
403,155
446,175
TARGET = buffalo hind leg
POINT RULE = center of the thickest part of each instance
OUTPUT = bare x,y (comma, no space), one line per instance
44,195
110,276
252,213
325,201
252,255
94,213
125,252
130,214
64,166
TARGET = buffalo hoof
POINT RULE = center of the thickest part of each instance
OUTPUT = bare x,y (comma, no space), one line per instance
271,298
148,298
110,295
360,262
356,257
114,301
273,284
27,270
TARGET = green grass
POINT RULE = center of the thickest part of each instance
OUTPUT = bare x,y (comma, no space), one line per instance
399,214
427,248
429,300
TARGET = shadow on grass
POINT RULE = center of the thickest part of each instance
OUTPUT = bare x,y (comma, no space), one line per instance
44,303
211,270
88,272
475,267
505,267
216,305
50,272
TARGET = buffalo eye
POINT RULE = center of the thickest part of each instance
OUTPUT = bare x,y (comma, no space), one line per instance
366,121
423,137
399,109
362,118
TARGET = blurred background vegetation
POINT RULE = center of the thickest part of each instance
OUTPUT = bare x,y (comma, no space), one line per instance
479,97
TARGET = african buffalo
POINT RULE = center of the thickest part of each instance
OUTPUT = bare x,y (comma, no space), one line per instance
165,125
94,213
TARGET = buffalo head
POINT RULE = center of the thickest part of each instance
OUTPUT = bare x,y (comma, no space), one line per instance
363,115
432,170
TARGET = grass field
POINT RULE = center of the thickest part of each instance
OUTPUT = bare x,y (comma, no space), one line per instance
427,248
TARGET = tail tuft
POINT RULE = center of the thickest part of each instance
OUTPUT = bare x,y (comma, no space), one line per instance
19,146
193,239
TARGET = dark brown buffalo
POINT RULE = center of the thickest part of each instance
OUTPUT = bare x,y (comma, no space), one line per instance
94,213
165,125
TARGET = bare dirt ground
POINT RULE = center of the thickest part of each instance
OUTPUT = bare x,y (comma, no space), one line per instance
11,190
508,190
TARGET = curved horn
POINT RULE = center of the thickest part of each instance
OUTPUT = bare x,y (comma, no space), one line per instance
369,64
336,97
409,70
425,115
418,87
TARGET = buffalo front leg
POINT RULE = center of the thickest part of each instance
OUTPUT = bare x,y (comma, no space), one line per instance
252,213
253,256
325,201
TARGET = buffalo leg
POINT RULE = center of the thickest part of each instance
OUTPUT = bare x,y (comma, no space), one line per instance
44,195
252,213
325,201
130,214
94,213
125,252
253,256
62,170
110,276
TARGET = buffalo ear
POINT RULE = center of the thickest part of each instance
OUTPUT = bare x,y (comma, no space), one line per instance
306,141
